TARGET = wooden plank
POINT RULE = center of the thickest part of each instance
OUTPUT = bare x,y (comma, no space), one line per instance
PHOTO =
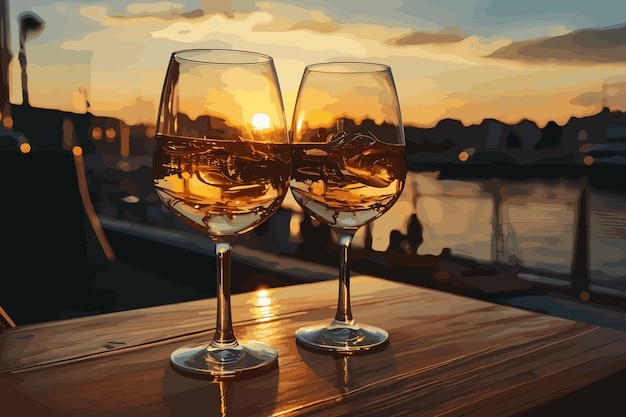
448,355
494,382
37,344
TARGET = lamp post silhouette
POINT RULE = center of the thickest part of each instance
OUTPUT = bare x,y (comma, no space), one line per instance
31,26
5,58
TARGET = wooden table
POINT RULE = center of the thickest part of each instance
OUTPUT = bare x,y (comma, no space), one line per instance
448,355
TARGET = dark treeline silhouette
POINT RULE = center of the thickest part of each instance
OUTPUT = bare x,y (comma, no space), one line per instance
592,147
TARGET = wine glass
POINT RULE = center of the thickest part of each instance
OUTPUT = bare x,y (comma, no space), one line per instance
348,168
222,165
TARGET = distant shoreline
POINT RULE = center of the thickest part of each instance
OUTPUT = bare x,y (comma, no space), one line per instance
601,176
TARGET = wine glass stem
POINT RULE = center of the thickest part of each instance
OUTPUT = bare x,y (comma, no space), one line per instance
224,334
344,313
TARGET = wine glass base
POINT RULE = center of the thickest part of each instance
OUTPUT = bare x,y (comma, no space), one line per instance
228,361
341,338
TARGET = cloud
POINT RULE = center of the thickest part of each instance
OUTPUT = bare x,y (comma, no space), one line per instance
163,7
442,57
612,94
448,35
576,13
590,46
321,27
217,6
288,17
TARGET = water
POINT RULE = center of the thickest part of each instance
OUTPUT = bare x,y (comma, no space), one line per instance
531,225
607,234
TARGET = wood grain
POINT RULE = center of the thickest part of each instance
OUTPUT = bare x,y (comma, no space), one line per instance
448,355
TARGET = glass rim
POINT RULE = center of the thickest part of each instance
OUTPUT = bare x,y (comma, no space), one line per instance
209,56
347,67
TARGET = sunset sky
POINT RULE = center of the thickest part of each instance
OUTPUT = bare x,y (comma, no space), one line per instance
464,59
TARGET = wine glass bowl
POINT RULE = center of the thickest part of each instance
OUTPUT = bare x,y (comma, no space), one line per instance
222,166
348,169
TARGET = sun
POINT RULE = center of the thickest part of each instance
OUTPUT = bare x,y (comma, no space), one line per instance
260,121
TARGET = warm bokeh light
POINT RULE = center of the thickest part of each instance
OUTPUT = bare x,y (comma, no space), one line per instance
465,154
110,134
7,122
295,222
124,140
96,133
77,150
25,147
588,160
150,132
124,166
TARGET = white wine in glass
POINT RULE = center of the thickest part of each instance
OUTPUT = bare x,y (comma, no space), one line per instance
348,168
222,165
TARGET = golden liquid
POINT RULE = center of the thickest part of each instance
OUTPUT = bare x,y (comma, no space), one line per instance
223,187
350,185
